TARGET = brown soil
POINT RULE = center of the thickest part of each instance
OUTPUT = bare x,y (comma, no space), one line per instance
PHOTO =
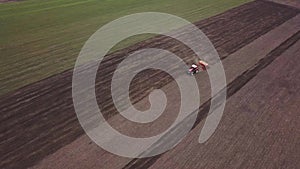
293,3
278,78
260,125
39,119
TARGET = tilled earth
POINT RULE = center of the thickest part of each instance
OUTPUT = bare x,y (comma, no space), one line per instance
39,119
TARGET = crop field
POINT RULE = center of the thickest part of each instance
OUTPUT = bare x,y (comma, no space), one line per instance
257,41
43,38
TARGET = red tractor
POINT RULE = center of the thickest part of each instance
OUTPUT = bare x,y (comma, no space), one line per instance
196,68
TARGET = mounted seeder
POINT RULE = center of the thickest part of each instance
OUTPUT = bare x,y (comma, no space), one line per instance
198,67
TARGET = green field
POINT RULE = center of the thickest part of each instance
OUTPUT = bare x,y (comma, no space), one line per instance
43,38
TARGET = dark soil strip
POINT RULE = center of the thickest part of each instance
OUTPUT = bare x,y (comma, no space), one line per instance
232,88
39,119
228,32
